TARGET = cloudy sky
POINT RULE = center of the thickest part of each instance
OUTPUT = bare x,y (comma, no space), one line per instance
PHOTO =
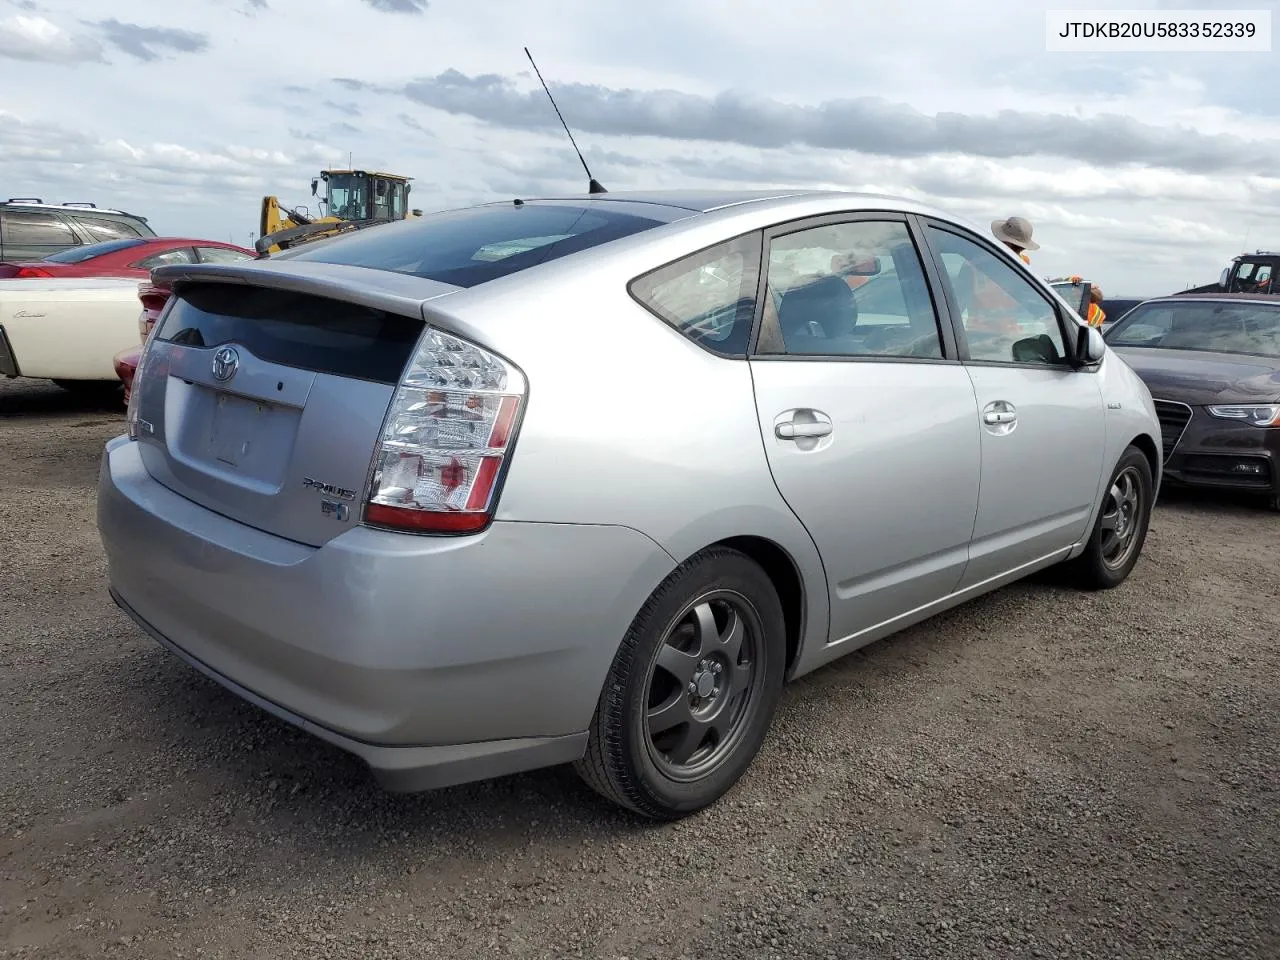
1143,171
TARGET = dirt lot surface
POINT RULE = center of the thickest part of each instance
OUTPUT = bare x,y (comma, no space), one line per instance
1038,774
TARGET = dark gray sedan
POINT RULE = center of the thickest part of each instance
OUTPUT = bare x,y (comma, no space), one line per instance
1212,364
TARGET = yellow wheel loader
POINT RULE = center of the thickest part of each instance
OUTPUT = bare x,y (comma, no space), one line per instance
352,199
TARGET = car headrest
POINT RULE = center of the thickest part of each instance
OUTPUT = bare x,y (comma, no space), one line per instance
827,302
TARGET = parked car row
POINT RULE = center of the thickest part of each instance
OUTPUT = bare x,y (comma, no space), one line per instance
1212,364
69,288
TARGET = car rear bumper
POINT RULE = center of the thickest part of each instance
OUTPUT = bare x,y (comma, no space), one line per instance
436,660
1221,454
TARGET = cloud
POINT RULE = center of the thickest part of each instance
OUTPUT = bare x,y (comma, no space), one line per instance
141,42
871,125
40,40
413,124
398,6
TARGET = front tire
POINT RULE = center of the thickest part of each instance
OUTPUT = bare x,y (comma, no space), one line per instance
692,690
1121,528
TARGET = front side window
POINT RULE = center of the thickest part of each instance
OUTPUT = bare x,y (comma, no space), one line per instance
1207,327
1005,319
710,296
853,289
348,197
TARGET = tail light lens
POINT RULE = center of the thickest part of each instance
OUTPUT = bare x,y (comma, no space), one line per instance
32,272
446,438
131,411
153,300
147,323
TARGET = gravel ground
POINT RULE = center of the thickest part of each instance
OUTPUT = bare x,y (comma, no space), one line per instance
1038,774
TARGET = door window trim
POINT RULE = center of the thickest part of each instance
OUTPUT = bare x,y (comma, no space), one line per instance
946,335
939,276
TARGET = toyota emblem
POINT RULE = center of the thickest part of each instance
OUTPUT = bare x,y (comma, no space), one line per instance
225,364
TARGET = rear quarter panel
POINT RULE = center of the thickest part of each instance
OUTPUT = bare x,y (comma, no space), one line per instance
628,423
69,330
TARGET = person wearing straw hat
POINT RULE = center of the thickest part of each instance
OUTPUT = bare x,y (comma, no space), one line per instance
1015,233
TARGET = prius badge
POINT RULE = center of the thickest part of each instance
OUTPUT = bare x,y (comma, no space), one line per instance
225,364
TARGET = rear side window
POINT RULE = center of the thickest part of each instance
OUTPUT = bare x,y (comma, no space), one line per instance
472,246
294,330
38,229
107,229
166,257
221,255
709,296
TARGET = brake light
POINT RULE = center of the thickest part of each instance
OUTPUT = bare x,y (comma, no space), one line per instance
153,299
447,435
146,363
135,391
31,273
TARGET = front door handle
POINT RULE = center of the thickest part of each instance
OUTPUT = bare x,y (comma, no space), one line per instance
999,416
790,430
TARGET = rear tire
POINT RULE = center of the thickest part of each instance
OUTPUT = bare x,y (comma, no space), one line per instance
1121,528
692,690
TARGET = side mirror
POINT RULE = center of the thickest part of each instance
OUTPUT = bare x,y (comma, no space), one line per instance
1090,346
314,185
1222,280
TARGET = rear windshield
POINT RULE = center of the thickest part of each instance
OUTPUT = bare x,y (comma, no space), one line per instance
472,246
294,330
91,250
1216,327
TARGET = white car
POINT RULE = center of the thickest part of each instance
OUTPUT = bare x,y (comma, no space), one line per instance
67,329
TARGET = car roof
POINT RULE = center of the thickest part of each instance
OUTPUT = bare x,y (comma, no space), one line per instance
684,204
1271,299
708,201
70,207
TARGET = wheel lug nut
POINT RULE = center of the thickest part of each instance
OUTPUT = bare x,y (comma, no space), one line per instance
693,687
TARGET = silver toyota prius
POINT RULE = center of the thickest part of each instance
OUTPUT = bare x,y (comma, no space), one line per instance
587,479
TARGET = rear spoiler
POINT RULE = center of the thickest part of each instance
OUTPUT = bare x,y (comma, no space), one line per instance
398,293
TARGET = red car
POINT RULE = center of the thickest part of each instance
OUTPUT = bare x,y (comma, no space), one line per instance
133,257
153,296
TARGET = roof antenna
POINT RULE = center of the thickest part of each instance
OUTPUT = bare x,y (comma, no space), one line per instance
593,185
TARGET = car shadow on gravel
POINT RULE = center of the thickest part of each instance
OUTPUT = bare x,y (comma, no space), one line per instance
35,398
232,748
1193,498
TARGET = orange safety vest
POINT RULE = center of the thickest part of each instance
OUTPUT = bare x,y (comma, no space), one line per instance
1096,316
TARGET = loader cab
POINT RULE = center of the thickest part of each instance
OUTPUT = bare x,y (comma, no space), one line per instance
363,195
1252,273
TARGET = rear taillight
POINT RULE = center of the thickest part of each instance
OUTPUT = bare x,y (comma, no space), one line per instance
146,363
135,391
446,439
153,300
31,273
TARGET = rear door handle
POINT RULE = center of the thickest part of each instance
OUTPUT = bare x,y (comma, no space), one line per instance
790,430
999,416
